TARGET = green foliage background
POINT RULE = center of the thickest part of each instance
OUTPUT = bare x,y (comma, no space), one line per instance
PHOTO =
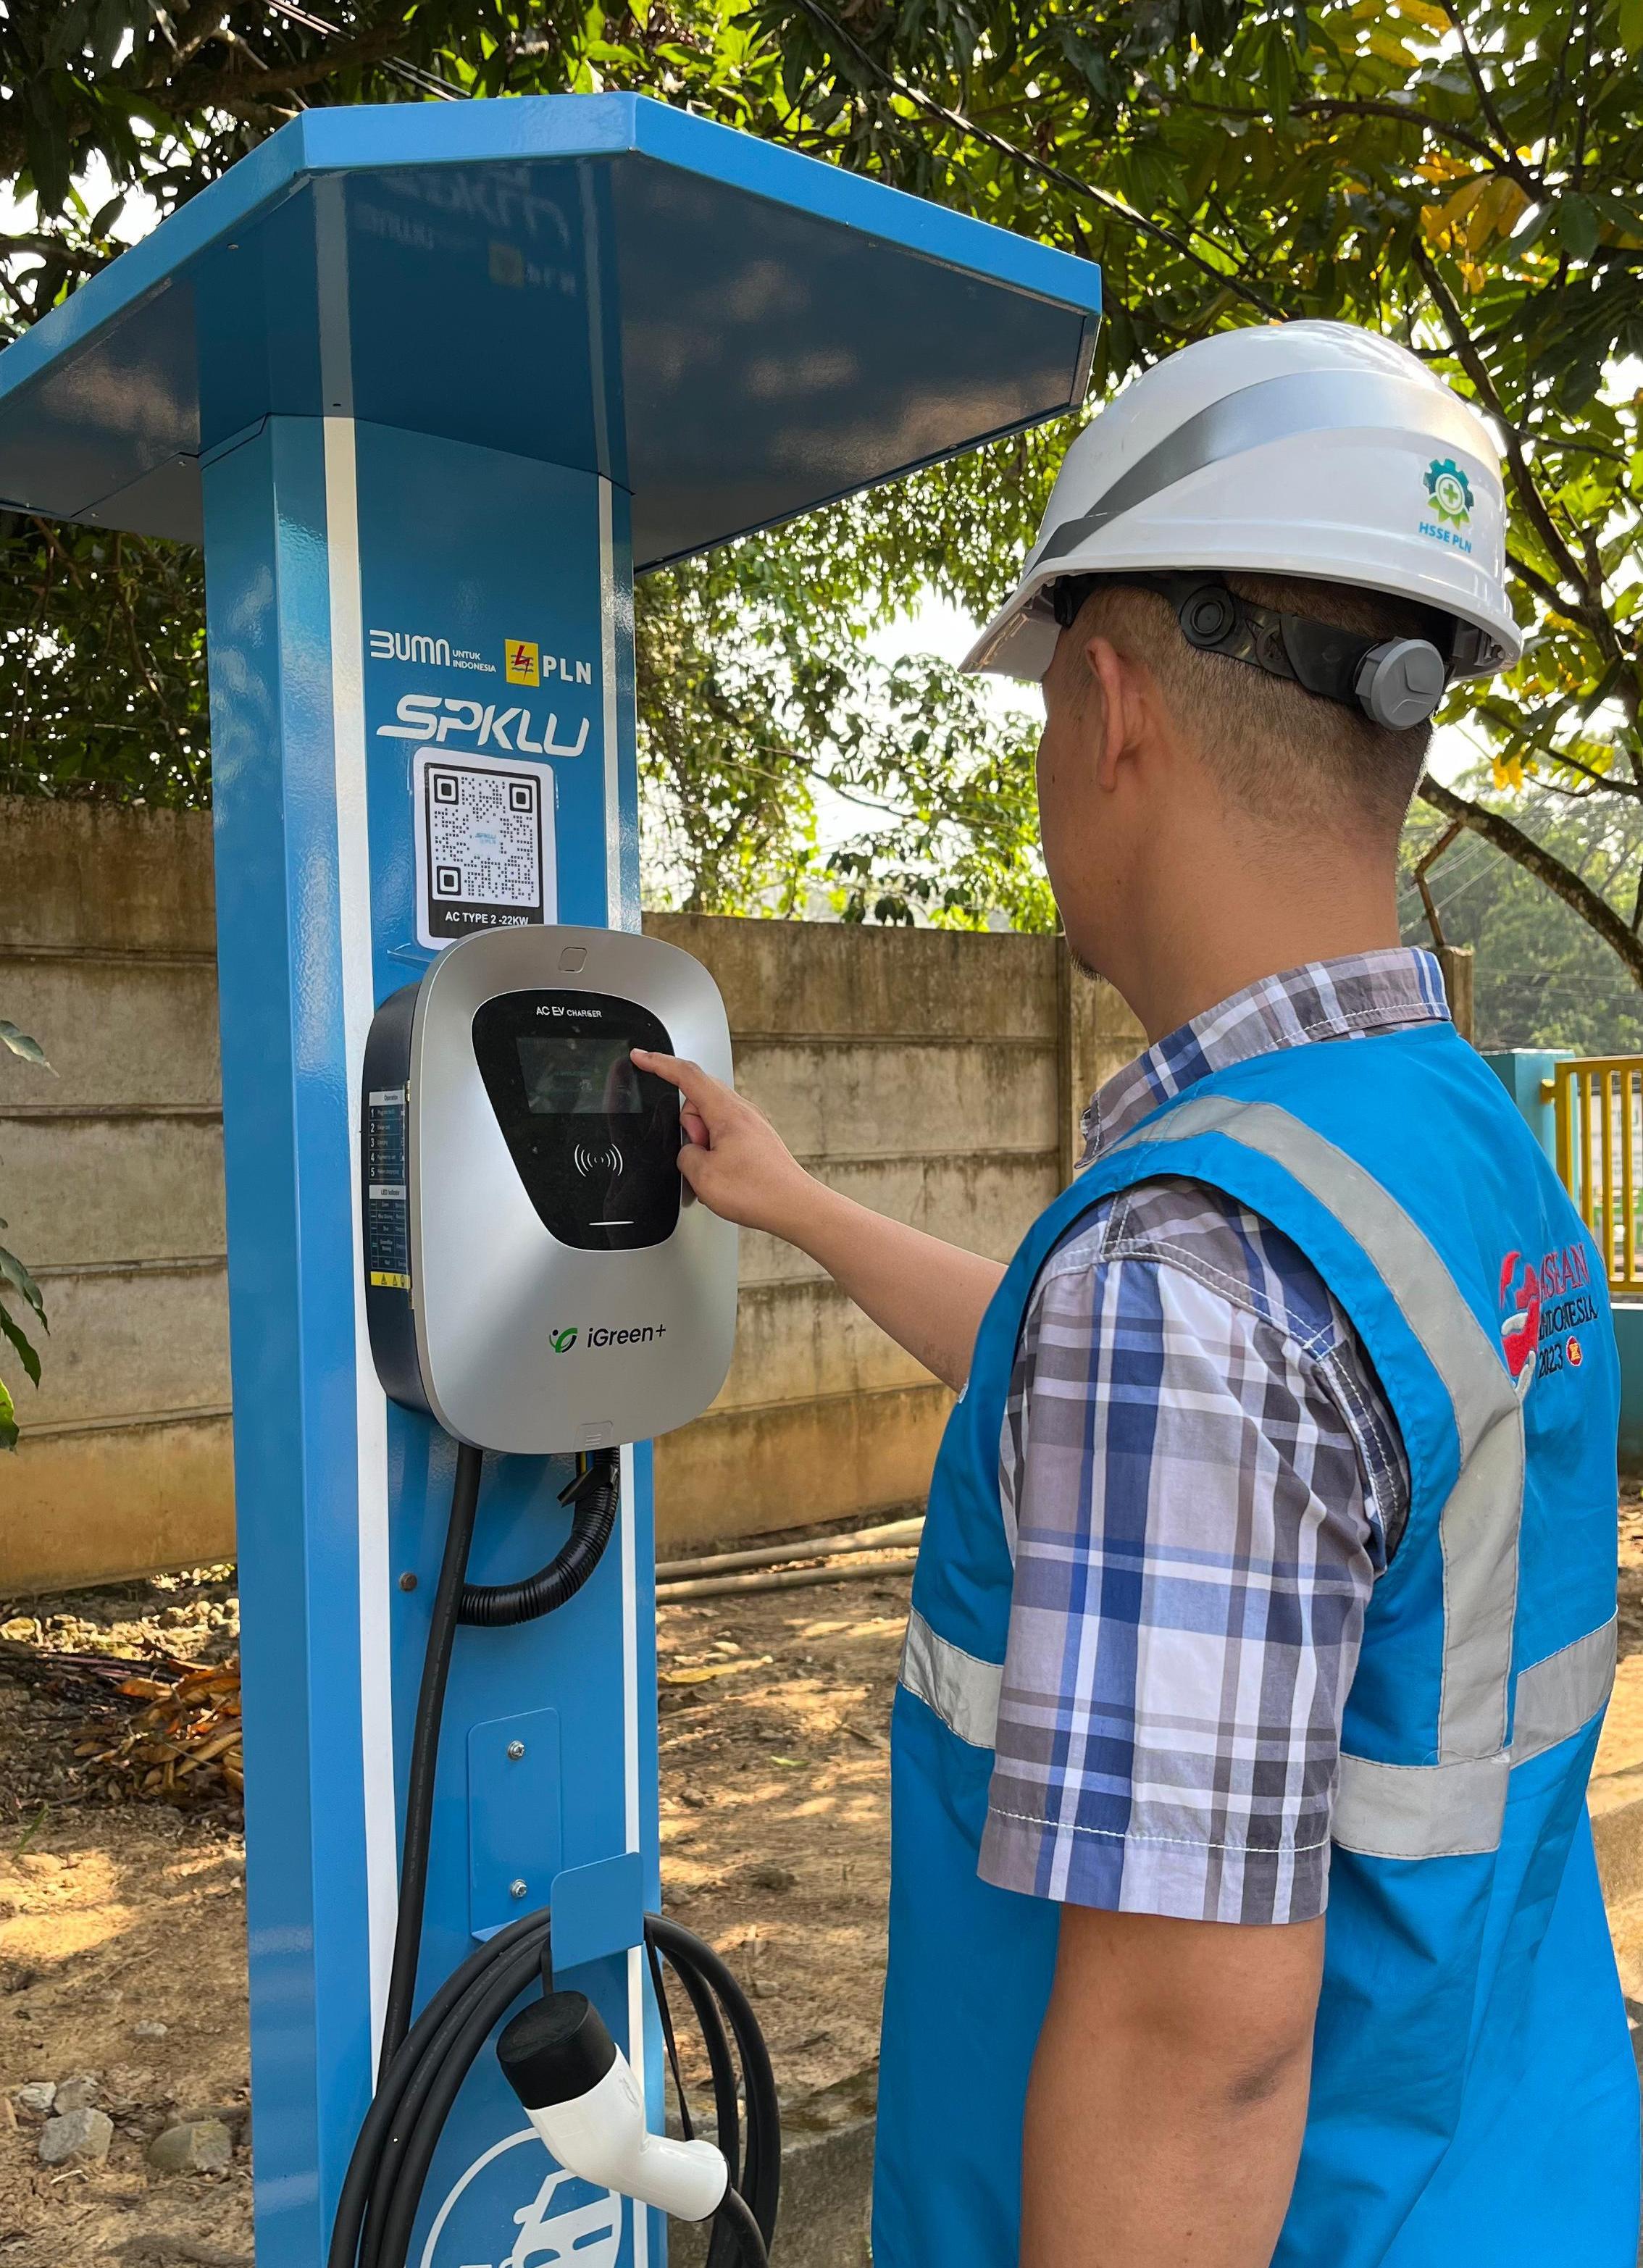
1541,977
1464,178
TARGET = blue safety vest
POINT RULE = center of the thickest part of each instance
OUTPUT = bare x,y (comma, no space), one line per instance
1474,2095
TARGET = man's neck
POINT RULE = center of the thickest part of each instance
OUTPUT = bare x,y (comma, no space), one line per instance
1214,947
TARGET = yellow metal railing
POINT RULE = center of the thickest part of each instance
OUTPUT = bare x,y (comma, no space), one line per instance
1599,1104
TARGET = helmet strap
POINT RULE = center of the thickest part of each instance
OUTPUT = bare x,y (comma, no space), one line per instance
1396,682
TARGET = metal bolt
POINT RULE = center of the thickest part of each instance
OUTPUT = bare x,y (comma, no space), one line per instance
517,1889
516,1749
407,1582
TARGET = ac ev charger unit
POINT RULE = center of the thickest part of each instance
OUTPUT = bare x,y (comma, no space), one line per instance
537,1278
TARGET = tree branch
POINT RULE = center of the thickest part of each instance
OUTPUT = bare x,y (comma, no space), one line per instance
1506,162
197,24
196,91
1556,601
1466,350
1112,205
1485,99
1513,728
1523,850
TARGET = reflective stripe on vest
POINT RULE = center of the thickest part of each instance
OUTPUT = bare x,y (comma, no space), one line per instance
1479,1527
960,1687
1386,1811
1410,1811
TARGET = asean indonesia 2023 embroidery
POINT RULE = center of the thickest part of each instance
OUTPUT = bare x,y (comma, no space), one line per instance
1543,1306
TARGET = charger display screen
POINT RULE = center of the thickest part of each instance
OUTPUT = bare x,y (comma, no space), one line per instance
594,1139
579,1073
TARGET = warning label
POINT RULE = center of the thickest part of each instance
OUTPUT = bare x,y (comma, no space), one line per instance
388,1213
483,844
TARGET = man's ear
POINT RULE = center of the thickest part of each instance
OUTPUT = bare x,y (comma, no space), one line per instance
1114,708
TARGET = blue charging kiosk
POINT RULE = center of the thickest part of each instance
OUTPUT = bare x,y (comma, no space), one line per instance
432,383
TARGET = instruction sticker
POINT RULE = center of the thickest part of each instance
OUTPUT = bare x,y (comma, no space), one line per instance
388,1211
484,847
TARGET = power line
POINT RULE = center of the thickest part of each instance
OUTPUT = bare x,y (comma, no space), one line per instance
425,82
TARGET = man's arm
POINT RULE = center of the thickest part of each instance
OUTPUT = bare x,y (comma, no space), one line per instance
1168,2093
929,1296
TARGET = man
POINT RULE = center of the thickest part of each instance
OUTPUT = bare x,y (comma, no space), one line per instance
1243,1905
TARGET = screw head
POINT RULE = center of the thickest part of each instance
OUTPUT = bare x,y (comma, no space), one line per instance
516,1749
407,1582
517,1889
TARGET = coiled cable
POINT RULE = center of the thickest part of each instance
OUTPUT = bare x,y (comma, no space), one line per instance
422,2065
592,1496
383,2189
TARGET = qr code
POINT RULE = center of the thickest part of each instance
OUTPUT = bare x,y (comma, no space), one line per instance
484,837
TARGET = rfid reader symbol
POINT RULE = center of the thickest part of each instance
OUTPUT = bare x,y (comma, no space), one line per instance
605,1160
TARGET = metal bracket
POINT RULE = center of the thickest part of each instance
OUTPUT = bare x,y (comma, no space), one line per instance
514,1834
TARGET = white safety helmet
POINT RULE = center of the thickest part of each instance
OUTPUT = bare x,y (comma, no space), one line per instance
1307,449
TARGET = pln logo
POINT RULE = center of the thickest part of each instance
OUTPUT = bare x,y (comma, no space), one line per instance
512,2212
522,663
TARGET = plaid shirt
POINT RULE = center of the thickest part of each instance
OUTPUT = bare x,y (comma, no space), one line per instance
1201,1480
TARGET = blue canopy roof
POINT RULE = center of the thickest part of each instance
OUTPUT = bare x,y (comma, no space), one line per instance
732,332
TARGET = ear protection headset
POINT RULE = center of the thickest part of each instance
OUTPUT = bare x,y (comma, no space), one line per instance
1397,682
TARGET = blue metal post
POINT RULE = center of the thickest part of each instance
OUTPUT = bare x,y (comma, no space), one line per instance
1525,1074
429,379
379,597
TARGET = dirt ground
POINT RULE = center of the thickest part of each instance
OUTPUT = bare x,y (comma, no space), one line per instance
122,1926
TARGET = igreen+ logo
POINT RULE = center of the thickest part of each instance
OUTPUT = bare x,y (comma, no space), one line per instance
1450,491
562,1342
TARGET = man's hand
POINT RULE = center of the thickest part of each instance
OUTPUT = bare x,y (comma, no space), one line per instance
929,1296
1168,2094
734,1158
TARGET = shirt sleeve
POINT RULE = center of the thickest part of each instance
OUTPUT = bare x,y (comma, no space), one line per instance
1197,1536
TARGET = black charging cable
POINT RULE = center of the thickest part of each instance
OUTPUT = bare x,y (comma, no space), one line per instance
422,2065
593,1494
382,2191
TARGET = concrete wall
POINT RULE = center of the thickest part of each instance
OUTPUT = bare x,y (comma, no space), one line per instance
111,1179
935,1076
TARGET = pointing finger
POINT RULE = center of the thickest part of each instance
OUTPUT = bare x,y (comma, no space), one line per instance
696,1085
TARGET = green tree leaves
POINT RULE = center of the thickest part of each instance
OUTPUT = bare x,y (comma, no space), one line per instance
102,664
1464,178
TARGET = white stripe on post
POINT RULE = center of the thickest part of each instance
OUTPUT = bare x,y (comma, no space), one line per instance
353,878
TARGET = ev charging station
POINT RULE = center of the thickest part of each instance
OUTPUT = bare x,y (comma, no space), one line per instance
431,383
